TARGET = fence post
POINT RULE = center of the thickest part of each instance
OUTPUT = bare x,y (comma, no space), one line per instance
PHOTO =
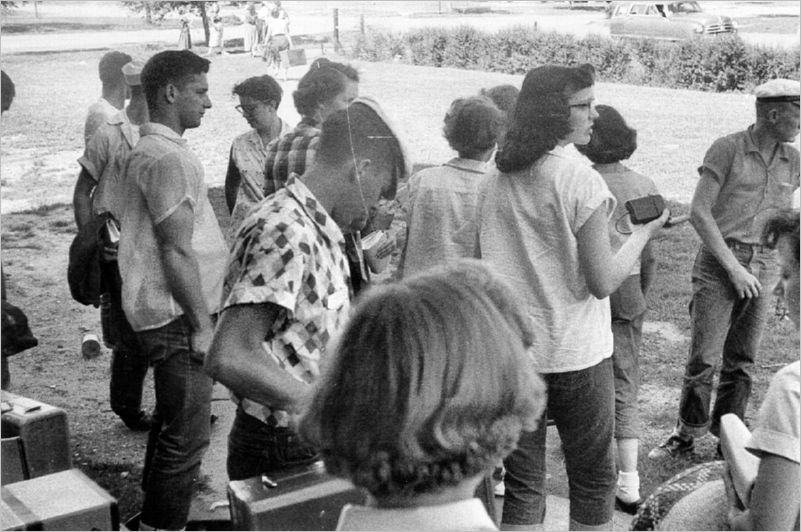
337,44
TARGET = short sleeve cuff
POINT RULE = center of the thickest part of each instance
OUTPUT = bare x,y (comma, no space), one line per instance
777,443
90,167
251,295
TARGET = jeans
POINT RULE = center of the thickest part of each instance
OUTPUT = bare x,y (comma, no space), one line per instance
582,405
628,312
722,323
255,447
128,362
181,425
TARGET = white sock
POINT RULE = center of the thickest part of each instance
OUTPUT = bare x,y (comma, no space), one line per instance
628,486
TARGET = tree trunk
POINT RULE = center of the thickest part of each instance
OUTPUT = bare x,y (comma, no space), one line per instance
204,17
148,14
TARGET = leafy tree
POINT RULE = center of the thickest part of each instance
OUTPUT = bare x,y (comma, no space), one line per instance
155,10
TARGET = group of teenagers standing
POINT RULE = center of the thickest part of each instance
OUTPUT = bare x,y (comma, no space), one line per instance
418,391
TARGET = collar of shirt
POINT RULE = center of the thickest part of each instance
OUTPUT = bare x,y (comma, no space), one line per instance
468,165
329,229
469,514
750,145
154,128
120,118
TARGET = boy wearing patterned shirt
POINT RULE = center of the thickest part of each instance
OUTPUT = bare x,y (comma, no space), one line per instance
286,288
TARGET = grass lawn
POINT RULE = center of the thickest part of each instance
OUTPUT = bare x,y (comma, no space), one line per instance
42,138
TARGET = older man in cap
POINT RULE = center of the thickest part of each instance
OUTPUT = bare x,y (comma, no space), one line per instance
746,177
98,192
115,91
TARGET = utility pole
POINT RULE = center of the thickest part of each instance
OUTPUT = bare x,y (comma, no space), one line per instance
337,44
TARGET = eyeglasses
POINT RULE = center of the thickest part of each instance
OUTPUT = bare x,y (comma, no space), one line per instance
250,109
589,105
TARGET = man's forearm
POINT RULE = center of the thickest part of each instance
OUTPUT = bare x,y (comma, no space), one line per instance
710,235
183,278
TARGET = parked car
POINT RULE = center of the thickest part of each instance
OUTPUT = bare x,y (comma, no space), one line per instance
670,21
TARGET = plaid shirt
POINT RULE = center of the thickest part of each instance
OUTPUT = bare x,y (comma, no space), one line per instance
290,154
288,252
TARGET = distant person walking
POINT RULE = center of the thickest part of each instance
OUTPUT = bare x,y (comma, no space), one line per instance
216,31
114,92
185,38
276,41
251,36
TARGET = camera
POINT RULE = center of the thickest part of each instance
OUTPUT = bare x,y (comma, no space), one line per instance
643,210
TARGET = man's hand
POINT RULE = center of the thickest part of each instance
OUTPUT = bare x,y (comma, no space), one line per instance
734,507
200,341
745,284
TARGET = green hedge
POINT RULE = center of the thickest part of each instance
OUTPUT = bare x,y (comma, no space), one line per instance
719,64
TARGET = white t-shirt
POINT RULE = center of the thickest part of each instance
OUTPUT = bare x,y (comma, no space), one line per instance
528,223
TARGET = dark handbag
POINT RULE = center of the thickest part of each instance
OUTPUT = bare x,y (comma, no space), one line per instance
83,271
293,56
17,335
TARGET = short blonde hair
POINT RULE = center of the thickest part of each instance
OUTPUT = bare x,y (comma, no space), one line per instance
430,384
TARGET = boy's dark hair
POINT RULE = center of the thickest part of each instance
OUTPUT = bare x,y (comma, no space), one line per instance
170,66
784,223
371,139
262,88
110,67
7,91
472,125
503,96
324,80
612,139
542,116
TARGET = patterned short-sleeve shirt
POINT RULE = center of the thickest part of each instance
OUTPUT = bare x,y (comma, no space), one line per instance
288,252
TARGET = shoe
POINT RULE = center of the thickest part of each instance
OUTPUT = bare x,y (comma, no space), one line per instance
674,447
141,423
627,507
500,489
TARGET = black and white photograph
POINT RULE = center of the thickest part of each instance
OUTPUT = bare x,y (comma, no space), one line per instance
400,265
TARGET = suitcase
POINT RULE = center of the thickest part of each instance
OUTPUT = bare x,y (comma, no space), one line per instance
43,431
293,57
305,498
67,500
12,461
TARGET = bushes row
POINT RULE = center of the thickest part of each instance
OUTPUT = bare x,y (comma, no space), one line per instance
718,64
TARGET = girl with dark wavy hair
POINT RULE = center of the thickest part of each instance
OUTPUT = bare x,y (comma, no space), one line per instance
543,228
430,385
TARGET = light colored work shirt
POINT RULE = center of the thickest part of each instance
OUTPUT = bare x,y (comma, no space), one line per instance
104,159
751,192
777,430
97,115
441,214
161,174
529,222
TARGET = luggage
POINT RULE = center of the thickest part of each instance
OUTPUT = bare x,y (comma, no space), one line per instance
67,500
304,498
293,57
42,430
12,461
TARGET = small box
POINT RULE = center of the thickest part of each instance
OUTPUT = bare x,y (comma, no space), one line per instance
43,431
304,498
67,500
643,210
